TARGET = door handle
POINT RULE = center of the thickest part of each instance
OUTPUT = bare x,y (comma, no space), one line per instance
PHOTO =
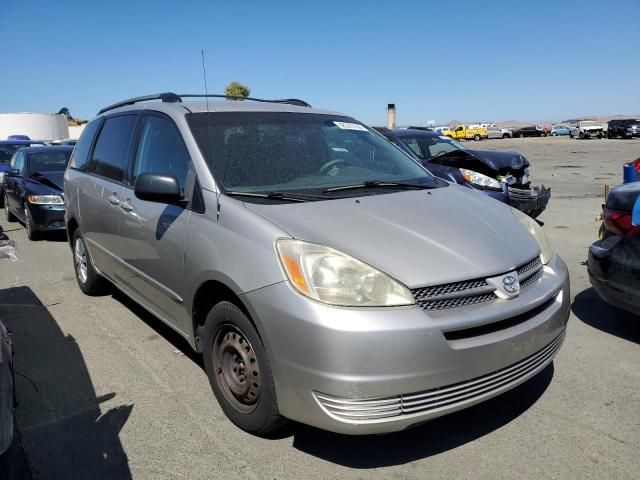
113,199
126,206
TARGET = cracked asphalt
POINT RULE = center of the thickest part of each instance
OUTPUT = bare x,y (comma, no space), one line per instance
105,390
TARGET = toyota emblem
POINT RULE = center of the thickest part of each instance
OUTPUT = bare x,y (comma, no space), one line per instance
510,284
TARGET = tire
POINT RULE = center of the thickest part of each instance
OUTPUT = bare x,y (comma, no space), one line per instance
8,215
89,281
505,135
544,134
477,137
554,134
233,352
32,231
599,136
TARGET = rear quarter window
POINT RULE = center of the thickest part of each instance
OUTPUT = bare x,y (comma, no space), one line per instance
79,157
111,153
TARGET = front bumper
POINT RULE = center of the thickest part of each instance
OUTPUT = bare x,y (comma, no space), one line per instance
614,271
324,358
47,217
532,202
592,133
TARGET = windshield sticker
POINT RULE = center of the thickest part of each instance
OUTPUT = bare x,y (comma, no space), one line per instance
350,126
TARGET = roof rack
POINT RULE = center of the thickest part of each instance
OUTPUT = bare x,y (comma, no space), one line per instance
169,97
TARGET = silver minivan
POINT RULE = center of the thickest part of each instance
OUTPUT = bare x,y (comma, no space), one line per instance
324,276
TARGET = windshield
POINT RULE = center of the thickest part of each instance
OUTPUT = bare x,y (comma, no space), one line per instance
431,146
298,152
41,162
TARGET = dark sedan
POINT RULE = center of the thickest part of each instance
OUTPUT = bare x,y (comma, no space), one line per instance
502,175
614,261
34,188
529,132
7,149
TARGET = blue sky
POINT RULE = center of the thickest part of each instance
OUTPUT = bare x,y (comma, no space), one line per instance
473,61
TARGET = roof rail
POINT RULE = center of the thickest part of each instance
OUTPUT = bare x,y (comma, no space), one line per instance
169,97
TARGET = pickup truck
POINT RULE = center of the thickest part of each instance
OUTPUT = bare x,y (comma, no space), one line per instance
465,132
589,128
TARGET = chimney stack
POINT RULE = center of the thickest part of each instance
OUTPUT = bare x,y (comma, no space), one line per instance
391,115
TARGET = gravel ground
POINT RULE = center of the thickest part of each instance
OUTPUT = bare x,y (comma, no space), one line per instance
107,391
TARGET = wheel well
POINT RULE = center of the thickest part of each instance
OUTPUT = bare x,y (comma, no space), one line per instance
72,226
209,294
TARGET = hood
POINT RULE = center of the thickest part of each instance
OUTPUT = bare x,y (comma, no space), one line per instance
421,238
495,160
52,180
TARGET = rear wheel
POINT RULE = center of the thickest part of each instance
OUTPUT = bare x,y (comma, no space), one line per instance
505,135
9,216
476,137
89,281
239,371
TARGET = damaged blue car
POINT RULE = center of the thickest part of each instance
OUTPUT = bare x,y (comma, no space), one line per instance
502,175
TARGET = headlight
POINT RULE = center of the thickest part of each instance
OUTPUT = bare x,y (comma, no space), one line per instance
329,276
1,178
479,179
46,199
534,229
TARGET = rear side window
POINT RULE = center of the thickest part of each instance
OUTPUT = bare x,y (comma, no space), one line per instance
80,154
110,155
161,150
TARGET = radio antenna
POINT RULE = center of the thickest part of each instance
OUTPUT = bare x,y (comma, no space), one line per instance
204,76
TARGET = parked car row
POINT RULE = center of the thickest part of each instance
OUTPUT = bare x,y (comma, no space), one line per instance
623,128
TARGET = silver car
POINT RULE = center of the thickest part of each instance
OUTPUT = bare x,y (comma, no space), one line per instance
324,275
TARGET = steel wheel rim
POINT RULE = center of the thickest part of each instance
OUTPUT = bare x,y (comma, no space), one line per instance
237,369
80,260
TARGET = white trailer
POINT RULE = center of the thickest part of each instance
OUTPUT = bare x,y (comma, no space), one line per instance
37,126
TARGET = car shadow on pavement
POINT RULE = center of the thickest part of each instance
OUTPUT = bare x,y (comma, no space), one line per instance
65,433
161,328
594,311
432,438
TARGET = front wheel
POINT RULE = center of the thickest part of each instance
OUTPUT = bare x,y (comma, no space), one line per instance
476,137
9,216
32,231
239,371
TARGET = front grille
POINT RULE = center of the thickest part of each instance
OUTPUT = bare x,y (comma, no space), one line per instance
441,399
471,292
522,193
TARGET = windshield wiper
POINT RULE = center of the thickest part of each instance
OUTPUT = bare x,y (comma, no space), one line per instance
377,184
293,197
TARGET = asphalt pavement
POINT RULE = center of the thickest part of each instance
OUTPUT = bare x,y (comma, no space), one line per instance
107,391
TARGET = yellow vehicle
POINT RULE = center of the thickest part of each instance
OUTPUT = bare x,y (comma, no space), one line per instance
466,132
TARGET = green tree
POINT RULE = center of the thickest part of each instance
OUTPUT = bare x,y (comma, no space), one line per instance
65,111
236,89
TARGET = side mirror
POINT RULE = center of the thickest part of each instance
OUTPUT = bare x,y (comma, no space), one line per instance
13,173
157,187
635,216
